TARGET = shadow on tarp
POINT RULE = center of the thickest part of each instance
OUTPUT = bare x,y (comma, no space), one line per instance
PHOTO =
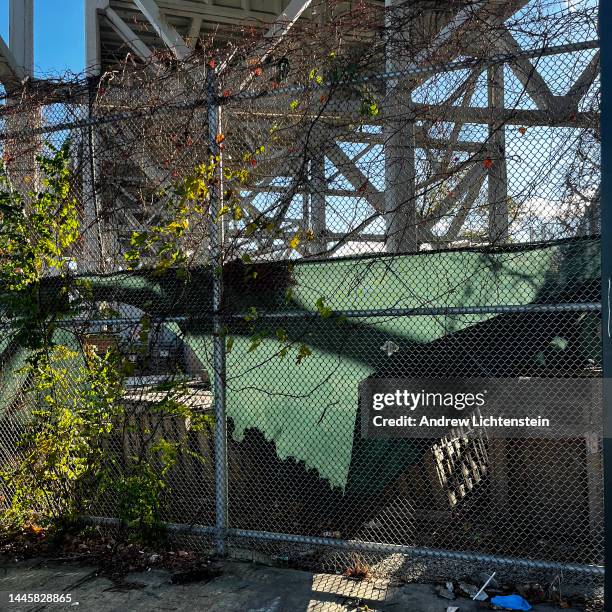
307,415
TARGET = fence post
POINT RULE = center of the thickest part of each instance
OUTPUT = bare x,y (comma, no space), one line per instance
605,14
93,248
216,252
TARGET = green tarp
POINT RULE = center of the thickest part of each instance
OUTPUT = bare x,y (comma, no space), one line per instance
310,410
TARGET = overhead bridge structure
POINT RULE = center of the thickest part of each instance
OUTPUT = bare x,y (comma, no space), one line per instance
465,97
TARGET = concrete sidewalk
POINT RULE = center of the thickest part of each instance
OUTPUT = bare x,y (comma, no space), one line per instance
243,587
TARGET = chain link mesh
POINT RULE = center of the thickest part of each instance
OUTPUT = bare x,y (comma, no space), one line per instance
432,187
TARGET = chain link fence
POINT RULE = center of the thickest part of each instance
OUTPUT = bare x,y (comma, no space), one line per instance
423,203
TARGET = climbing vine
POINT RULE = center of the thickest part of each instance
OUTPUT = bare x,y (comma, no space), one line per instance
72,455
74,396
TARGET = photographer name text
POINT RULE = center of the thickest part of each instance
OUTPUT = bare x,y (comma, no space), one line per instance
475,420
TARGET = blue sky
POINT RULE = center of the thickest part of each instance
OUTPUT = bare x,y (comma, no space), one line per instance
59,35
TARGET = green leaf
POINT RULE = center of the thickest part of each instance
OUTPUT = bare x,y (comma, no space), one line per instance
323,310
252,314
255,342
303,352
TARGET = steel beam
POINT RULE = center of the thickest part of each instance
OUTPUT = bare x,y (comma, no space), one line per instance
474,176
93,60
142,155
508,116
284,22
399,127
583,83
17,58
194,31
498,171
11,74
527,74
127,34
21,34
318,204
279,29
164,29
356,177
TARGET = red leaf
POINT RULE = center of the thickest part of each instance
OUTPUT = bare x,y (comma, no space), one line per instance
488,163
